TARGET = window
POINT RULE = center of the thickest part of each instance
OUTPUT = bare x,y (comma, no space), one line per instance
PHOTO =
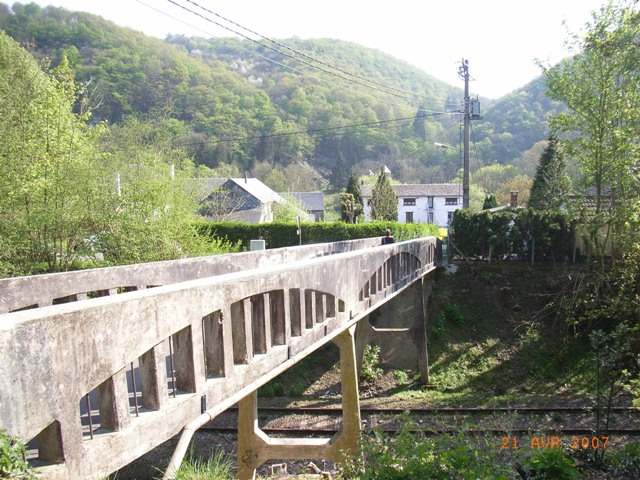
449,217
430,202
409,201
451,201
408,217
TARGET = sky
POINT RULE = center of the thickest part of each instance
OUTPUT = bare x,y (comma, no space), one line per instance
501,39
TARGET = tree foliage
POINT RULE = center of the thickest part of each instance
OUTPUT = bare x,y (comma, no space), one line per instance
234,102
603,122
492,176
384,203
490,201
551,183
48,190
351,200
69,188
290,210
520,184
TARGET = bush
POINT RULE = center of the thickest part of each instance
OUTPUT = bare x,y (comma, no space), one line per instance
626,463
546,234
370,359
12,458
551,463
279,235
410,455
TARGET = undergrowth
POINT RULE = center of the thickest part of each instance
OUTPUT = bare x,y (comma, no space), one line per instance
217,467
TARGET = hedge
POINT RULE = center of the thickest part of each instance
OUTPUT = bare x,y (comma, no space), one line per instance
285,234
546,234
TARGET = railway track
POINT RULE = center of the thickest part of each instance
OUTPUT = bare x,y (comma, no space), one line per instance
489,410
436,421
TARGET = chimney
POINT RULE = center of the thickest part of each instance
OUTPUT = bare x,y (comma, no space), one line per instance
514,199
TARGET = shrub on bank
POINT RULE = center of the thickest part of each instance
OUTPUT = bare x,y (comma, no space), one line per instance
278,235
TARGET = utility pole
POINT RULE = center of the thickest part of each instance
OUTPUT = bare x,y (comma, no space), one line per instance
463,72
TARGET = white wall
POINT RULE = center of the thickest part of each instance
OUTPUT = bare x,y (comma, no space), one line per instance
420,210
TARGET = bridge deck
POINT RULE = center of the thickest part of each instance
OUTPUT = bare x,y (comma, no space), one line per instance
210,332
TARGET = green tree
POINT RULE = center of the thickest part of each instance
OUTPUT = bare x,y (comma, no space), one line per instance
520,184
48,190
351,200
602,122
339,172
551,183
151,209
419,122
348,207
289,210
491,177
384,203
68,187
490,201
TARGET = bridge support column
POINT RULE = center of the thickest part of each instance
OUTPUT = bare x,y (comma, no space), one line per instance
255,447
421,330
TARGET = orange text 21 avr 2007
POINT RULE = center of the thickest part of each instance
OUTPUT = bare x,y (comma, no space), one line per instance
575,443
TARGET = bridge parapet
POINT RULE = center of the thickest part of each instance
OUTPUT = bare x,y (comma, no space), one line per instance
98,383
43,290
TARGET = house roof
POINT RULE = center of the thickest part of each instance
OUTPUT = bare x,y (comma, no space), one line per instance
258,189
312,201
589,198
420,190
252,186
209,185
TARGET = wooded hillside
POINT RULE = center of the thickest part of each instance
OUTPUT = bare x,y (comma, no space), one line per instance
235,104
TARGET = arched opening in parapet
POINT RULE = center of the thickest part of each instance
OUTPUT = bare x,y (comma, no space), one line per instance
147,383
394,273
267,320
317,376
46,447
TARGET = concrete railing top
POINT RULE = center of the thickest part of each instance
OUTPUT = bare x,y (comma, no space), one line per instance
41,290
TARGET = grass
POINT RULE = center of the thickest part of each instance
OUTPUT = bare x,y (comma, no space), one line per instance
217,467
488,347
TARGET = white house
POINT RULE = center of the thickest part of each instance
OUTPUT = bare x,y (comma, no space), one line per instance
421,203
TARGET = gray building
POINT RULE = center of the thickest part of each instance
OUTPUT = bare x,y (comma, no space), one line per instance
313,203
237,199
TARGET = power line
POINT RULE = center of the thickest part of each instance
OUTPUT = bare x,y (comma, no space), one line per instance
310,131
206,32
386,90
313,59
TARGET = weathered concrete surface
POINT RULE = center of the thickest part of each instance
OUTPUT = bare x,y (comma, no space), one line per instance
41,290
229,332
255,447
398,327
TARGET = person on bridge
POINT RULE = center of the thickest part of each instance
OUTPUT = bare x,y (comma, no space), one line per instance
388,237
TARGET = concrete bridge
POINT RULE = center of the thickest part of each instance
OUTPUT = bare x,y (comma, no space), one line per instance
100,366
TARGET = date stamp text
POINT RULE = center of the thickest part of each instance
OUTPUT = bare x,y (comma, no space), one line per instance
538,442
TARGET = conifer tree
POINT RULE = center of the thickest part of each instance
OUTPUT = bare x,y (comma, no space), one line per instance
384,203
351,205
490,201
551,182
